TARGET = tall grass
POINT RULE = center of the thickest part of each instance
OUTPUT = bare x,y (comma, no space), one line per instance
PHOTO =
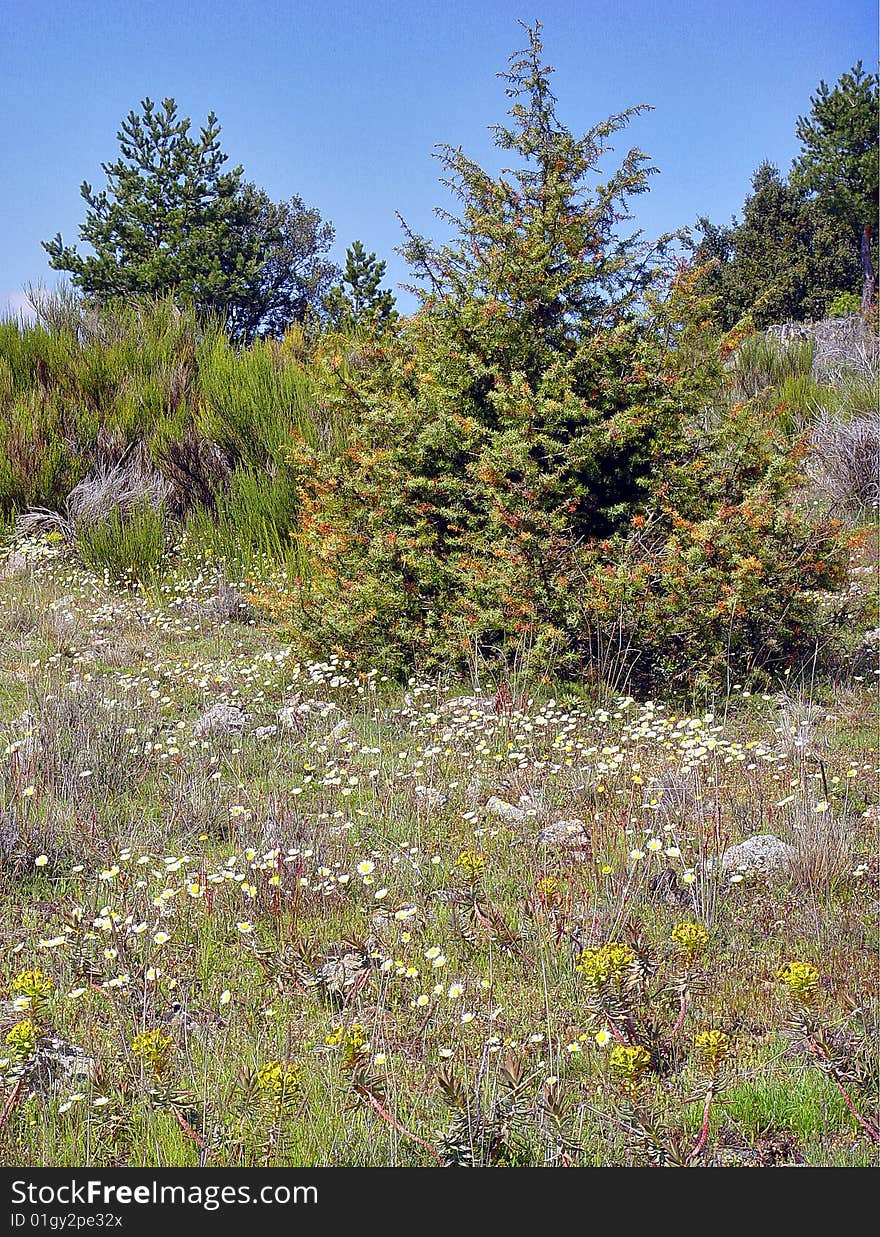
254,519
761,361
127,546
83,390
252,401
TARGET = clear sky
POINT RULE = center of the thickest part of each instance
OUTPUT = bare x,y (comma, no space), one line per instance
342,102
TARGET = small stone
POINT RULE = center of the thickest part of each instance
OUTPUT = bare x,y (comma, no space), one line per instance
432,798
221,719
571,835
503,810
16,563
761,854
59,1062
290,718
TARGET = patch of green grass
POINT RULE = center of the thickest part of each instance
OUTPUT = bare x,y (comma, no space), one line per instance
183,868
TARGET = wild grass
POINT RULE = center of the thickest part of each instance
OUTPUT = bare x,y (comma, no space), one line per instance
346,928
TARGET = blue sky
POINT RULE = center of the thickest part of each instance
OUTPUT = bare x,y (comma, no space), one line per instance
342,102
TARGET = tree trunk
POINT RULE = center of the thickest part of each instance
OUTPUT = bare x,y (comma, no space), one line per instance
868,279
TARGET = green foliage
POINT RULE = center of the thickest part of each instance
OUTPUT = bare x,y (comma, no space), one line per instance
294,275
84,387
172,220
253,401
81,386
844,304
127,546
761,361
547,397
783,262
358,299
838,161
498,430
254,518
805,242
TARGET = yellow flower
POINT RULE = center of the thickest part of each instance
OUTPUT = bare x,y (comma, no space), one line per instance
34,989
713,1046
801,979
629,1061
154,1049
278,1077
691,936
471,863
351,1041
607,964
547,889
22,1039
33,983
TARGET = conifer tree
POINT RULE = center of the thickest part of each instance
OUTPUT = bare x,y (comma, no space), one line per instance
359,296
173,219
838,163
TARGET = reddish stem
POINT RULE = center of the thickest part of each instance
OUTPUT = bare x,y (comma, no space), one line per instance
704,1130
392,1121
682,1013
871,1130
866,1125
11,1102
188,1129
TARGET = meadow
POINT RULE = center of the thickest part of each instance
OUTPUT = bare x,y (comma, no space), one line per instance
261,909
445,739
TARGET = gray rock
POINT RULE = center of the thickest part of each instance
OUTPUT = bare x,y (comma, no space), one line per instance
296,713
761,854
475,789
16,563
221,719
503,810
290,718
570,835
58,1063
431,798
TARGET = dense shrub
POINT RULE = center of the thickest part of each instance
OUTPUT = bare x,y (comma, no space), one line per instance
558,390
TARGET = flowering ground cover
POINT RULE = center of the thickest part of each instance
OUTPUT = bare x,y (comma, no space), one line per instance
261,910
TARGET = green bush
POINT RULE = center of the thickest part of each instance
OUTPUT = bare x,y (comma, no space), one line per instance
554,390
127,546
844,304
253,400
255,518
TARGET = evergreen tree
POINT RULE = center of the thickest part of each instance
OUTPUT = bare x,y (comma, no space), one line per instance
294,276
173,219
521,412
359,297
786,260
839,160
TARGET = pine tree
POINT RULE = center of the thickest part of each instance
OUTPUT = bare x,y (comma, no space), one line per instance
174,220
786,260
839,160
359,298
532,465
518,414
